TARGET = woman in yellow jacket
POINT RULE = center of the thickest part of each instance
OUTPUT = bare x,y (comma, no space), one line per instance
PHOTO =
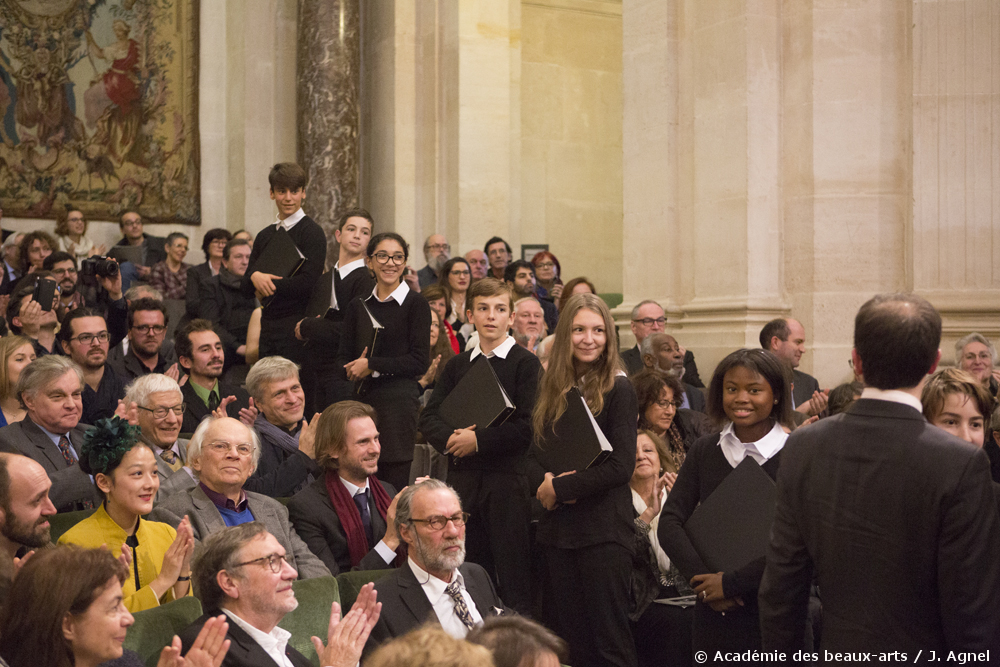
124,470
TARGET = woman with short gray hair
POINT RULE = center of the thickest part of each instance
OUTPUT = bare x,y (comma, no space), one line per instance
976,355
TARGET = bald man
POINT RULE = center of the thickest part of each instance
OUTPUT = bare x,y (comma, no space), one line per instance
25,507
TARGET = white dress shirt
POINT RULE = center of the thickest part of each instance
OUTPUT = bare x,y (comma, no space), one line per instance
274,643
382,548
291,220
761,451
343,272
893,395
443,604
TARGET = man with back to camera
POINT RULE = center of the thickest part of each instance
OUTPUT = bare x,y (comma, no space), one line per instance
787,339
894,517
437,251
25,506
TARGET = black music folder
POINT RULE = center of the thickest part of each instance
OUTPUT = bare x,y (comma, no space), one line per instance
577,442
280,257
478,399
367,335
733,526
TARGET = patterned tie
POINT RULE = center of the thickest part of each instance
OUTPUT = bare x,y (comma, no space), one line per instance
171,459
461,610
66,451
361,500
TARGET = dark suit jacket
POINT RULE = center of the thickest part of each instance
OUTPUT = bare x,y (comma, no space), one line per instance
196,275
244,651
70,485
632,359
405,605
128,367
156,248
803,386
695,397
222,302
898,521
196,410
426,276
280,473
314,519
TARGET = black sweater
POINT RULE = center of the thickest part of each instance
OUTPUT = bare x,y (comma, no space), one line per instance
704,469
603,509
402,349
501,448
290,294
322,325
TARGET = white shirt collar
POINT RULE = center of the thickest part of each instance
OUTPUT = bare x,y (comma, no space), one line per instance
349,268
501,350
433,586
291,220
761,451
893,395
352,488
274,643
399,294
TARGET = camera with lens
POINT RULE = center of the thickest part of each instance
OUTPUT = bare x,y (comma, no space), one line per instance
98,267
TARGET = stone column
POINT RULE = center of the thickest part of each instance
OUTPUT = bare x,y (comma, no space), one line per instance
329,81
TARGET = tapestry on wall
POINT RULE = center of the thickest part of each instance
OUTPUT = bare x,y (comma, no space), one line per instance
99,108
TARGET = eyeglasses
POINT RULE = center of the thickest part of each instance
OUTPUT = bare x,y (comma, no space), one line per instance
438,247
649,321
144,329
460,273
439,522
88,339
132,223
161,412
545,265
223,448
64,272
274,561
384,257
666,405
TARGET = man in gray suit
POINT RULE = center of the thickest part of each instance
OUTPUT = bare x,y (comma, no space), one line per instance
223,453
51,390
159,408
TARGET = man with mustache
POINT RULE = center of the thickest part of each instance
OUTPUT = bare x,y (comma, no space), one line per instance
85,339
437,251
435,583
201,353
25,507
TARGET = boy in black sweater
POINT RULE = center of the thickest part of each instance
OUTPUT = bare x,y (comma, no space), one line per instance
285,299
486,464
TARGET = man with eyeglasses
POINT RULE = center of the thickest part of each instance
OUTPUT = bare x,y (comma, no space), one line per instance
153,247
437,251
435,582
647,318
63,268
145,349
223,453
84,339
244,573
156,402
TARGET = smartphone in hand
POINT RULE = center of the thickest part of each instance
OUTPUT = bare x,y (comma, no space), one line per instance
45,293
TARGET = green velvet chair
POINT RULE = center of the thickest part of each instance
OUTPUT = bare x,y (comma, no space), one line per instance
312,616
63,521
350,584
155,628
613,299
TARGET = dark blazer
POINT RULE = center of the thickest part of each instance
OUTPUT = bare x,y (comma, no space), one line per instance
244,651
222,301
196,410
405,605
426,276
897,521
696,399
803,386
280,473
128,367
314,519
632,359
196,275
550,313
156,248
70,485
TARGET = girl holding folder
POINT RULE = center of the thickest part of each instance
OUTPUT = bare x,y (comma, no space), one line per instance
750,397
587,531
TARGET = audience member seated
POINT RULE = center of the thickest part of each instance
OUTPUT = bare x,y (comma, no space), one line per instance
224,304
62,266
16,352
787,339
51,391
287,457
71,236
247,574
516,641
977,355
661,353
213,245
25,506
84,339
660,412
125,472
347,516
662,632
547,269
152,248
435,581
529,323
437,251
223,453
843,396
544,350
158,411
437,299
11,266
200,352
146,350
169,276
579,285
26,317
430,646
244,235
499,254
647,318
34,248
520,276
479,264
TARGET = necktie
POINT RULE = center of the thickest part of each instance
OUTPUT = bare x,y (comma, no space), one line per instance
361,500
213,401
461,609
171,458
66,451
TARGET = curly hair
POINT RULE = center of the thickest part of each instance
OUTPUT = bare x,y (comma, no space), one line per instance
105,445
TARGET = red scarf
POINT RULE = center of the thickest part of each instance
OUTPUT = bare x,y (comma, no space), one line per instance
451,338
350,517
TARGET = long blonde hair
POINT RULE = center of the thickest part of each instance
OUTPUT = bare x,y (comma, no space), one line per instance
561,374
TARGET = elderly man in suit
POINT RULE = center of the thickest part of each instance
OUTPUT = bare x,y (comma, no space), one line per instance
661,352
895,518
245,573
435,583
347,516
223,453
51,390
159,409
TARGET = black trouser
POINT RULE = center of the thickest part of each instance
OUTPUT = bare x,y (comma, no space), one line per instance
663,634
496,536
592,593
736,631
277,338
396,402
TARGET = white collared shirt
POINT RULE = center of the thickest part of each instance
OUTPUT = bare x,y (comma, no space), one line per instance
893,395
274,643
761,451
291,220
343,272
382,548
501,350
443,604
398,294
